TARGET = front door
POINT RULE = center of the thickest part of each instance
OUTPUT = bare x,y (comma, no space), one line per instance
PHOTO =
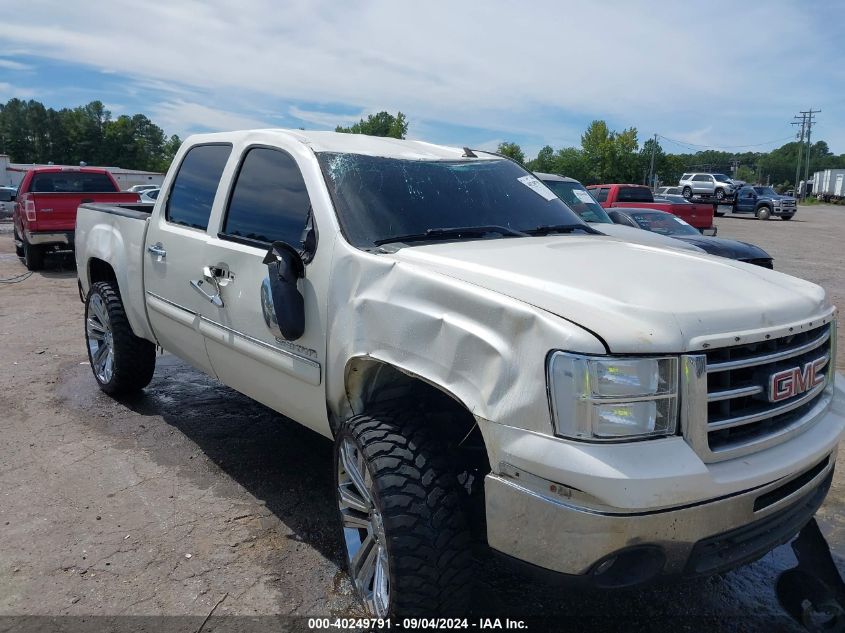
176,253
269,202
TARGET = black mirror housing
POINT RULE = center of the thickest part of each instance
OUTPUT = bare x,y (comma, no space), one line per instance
284,269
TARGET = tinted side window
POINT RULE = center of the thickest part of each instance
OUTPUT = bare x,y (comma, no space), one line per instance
600,194
269,202
685,177
196,183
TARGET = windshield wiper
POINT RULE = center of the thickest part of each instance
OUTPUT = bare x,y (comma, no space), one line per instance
546,229
452,232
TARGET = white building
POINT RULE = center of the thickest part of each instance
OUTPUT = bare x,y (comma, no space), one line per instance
12,174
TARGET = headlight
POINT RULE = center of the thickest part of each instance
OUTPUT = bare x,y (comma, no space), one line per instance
613,398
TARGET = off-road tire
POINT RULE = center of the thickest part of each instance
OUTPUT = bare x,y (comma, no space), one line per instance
764,213
422,507
134,357
18,247
33,256
687,192
786,217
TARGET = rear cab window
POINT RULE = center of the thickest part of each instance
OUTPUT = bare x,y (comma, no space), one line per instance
634,194
71,182
195,185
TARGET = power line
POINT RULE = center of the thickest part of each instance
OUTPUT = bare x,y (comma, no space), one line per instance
714,147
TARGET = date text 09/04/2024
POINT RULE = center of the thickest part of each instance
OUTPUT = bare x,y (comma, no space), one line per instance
415,623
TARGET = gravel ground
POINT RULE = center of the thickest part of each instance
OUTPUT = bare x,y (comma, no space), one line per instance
166,504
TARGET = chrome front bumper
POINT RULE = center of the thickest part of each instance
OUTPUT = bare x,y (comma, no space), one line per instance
549,531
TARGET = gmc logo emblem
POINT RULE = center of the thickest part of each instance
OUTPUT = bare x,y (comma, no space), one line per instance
791,382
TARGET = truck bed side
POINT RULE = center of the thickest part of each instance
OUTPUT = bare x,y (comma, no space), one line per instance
111,238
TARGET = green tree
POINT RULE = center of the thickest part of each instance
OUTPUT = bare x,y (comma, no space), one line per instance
545,161
379,124
512,151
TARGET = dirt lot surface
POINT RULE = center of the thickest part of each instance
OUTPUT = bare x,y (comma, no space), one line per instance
191,498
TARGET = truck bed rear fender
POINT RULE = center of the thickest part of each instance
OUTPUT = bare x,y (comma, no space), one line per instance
109,255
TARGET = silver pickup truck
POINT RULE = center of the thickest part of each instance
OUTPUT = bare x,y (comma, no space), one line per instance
489,367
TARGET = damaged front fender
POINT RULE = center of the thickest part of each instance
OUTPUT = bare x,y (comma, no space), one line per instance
484,349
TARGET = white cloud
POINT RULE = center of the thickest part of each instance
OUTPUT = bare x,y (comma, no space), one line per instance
494,65
183,117
323,119
10,91
10,64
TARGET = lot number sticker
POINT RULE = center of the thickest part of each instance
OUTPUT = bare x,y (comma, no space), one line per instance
537,187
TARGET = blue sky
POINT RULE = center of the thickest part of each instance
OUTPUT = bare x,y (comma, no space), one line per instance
709,74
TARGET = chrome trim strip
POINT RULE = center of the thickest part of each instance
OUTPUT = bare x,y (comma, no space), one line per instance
769,358
173,303
730,394
768,413
273,348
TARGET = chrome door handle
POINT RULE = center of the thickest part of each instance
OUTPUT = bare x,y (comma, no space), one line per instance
216,299
157,249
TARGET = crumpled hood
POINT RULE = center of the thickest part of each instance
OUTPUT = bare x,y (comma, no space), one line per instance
636,298
734,249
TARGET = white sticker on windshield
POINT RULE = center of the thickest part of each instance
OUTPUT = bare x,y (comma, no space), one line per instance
537,187
583,196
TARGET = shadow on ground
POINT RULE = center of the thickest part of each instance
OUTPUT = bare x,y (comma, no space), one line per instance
289,468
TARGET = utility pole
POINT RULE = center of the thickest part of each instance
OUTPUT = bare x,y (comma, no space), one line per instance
800,137
651,166
810,113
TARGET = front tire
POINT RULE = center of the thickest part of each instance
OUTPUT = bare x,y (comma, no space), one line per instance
720,194
121,362
405,530
687,193
764,213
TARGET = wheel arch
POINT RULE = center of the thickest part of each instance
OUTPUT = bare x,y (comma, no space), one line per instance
370,382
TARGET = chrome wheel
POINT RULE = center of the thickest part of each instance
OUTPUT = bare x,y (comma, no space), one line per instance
363,530
100,339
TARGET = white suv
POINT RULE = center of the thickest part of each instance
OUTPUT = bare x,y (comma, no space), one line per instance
716,185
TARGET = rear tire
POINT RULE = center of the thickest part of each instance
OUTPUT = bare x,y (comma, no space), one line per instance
33,256
687,193
719,214
764,213
121,362
401,509
18,243
786,217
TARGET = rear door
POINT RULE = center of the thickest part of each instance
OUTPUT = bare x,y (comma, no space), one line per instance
175,253
268,202
701,184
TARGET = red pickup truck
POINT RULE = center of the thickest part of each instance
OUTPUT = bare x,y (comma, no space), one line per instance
45,207
639,196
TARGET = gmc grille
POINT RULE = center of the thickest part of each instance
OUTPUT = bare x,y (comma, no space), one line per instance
740,410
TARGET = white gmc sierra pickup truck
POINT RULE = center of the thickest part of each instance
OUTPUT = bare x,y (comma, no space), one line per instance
490,368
